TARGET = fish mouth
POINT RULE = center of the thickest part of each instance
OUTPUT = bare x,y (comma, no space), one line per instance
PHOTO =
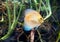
41,20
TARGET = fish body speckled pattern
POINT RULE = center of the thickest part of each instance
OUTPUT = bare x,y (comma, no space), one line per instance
32,19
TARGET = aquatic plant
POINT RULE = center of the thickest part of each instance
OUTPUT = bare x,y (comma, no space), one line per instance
12,25
40,5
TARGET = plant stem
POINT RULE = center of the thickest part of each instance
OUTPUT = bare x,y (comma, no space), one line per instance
35,2
32,36
49,10
14,10
58,38
9,31
9,14
40,36
31,4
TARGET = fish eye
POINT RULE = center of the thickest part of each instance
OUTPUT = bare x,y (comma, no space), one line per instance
41,18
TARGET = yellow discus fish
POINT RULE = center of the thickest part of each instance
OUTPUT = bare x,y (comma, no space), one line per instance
32,19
